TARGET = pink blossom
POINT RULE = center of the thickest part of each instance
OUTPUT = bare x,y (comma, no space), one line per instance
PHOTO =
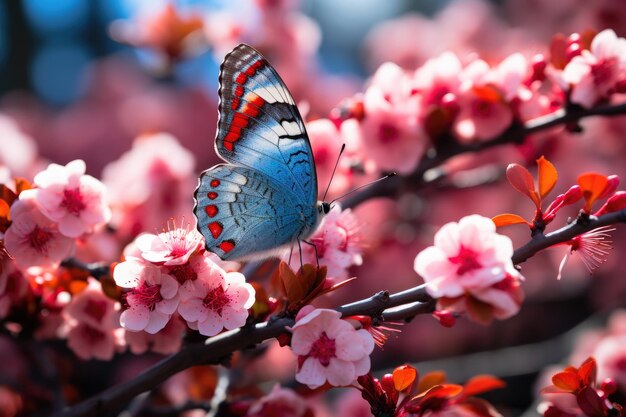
338,242
33,239
390,131
149,183
168,340
467,255
18,151
326,143
594,73
280,402
329,349
152,299
89,342
73,200
437,77
92,307
610,355
504,299
216,300
172,247
483,111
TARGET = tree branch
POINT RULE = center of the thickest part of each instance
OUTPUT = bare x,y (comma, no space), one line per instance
576,228
514,134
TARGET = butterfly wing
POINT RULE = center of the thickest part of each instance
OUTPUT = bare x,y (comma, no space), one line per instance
260,126
241,211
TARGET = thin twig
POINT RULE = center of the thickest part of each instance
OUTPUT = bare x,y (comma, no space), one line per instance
515,134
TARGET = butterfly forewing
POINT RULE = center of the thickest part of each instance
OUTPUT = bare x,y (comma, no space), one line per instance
260,126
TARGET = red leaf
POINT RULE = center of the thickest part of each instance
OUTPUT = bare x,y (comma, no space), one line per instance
566,380
587,372
479,311
546,177
403,377
522,181
482,383
590,403
431,379
22,184
7,194
592,186
443,391
479,407
508,219
5,216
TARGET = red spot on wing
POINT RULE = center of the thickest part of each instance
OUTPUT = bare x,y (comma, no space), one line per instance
215,183
239,122
211,210
212,195
216,229
227,246
252,69
251,108
241,78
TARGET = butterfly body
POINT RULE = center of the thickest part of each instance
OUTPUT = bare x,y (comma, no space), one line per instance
265,197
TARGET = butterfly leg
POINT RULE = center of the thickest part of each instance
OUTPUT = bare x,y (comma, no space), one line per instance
300,250
290,253
317,259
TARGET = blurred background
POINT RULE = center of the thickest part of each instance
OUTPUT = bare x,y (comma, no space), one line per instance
84,78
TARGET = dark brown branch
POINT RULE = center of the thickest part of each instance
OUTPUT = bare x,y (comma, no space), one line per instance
215,349
576,228
515,134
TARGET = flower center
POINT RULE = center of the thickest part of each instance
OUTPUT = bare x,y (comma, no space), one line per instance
73,201
466,260
604,71
148,295
38,239
323,349
92,335
183,273
482,108
96,309
388,133
216,299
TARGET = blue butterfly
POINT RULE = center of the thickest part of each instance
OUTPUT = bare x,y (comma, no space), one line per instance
265,197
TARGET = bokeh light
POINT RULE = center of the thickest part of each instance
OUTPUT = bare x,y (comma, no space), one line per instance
59,71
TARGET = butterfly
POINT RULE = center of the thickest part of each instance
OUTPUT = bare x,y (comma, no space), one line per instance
265,196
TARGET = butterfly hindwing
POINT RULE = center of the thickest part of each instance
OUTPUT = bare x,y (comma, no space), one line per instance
260,126
241,211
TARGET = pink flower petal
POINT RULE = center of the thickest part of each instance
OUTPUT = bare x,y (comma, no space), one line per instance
192,310
157,321
136,318
340,373
312,373
232,319
211,326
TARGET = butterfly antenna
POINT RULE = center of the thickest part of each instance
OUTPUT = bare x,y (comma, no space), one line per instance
391,174
343,147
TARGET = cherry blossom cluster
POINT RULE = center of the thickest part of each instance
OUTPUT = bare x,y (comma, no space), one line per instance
171,272
402,114
64,204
